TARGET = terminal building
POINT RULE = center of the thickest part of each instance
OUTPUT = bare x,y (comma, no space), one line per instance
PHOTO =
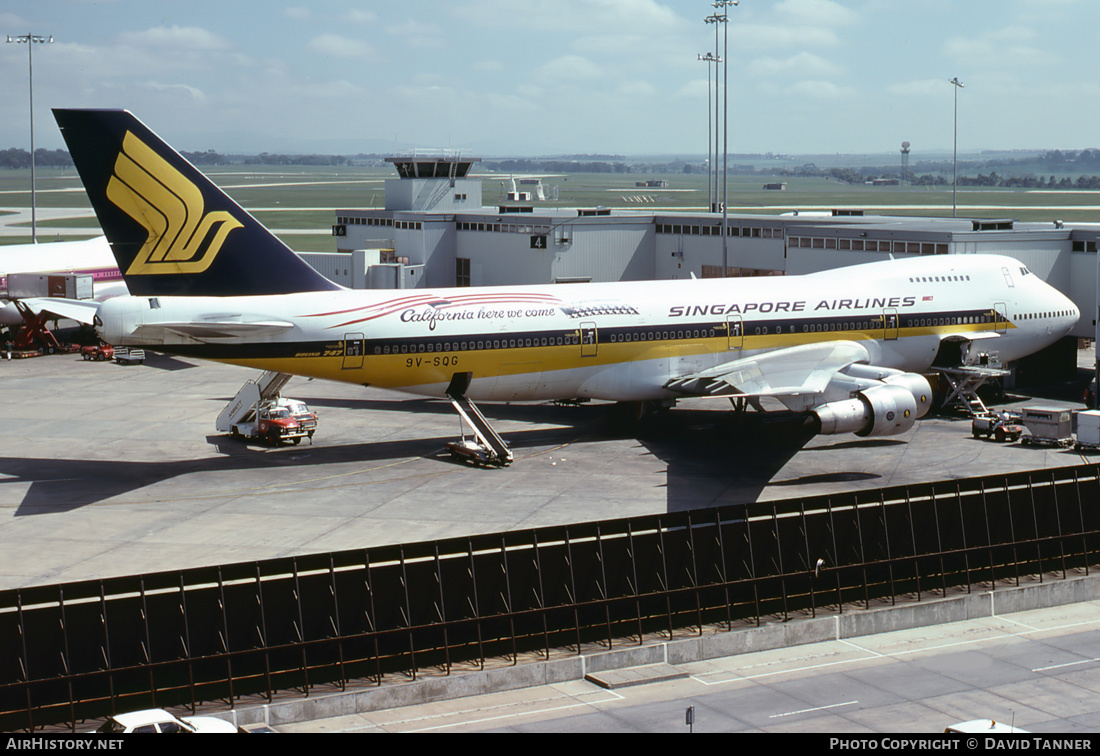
435,231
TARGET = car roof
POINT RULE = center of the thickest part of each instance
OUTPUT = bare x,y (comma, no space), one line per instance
983,725
144,716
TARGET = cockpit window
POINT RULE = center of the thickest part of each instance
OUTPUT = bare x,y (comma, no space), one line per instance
1025,272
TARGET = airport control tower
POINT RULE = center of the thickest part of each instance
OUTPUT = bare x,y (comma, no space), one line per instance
433,184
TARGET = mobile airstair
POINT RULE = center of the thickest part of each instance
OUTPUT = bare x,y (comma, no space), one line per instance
489,449
252,393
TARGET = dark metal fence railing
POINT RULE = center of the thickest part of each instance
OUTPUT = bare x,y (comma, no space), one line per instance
85,650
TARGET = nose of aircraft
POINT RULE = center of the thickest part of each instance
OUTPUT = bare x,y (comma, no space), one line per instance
1065,312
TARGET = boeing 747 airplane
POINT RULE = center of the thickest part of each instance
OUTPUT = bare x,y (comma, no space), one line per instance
847,347
89,257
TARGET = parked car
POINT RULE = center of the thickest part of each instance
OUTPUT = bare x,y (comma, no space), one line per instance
159,720
986,726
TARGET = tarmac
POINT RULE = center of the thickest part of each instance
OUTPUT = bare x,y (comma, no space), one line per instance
109,470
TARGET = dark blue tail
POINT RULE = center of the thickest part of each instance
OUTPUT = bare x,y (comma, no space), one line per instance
172,230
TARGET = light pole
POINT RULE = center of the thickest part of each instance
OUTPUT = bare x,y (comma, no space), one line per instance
31,40
724,19
716,20
710,58
955,151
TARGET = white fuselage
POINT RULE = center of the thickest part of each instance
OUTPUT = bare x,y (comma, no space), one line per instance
618,341
91,257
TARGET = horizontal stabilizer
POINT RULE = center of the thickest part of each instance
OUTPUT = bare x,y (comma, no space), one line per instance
209,331
80,310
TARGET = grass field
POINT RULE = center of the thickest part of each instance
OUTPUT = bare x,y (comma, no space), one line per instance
299,202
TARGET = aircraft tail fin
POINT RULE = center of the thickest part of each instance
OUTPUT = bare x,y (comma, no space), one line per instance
172,230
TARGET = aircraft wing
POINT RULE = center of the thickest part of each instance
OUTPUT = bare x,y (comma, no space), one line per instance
210,330
80,310
795,371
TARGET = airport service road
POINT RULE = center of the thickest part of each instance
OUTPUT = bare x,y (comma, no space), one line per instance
1040,669
108,470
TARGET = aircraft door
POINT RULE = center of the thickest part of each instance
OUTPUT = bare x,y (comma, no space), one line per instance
890,323
589,339
353,351
736,332
1000,317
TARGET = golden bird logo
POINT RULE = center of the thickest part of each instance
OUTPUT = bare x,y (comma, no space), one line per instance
181,237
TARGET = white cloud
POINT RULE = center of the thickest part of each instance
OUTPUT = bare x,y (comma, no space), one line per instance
697,89
1009,47
821,90
190,38
194,93
772,36
336,46
361,17
646,17
638,89
12,21
921,88
816,12
802,65
569,69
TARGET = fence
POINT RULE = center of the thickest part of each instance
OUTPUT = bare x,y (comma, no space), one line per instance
86,650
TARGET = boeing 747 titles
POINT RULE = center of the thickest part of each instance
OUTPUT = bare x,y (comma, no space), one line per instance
847,347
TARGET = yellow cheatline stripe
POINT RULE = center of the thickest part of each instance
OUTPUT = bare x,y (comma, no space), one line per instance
397,371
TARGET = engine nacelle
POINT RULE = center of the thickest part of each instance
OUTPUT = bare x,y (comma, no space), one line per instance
917,386
883,410
915,383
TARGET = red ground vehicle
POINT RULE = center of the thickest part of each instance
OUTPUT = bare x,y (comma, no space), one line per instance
99,353
274,424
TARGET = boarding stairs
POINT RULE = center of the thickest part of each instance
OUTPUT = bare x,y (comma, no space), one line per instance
252,393
490,449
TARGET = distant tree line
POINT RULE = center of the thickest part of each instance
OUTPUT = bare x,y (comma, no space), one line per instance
522,165
942,178
266,158
17,158
1014,174
205,158
1071,160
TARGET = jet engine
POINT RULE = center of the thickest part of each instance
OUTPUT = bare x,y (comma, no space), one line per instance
889,407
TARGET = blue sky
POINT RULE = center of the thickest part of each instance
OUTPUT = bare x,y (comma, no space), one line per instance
544,77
